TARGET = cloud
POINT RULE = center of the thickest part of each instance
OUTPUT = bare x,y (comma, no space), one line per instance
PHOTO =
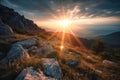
74,13
75,8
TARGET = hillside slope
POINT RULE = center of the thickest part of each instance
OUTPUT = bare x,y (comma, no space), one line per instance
113,38
39,56
17,22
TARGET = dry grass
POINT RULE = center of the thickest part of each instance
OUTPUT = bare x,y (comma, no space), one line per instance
11,70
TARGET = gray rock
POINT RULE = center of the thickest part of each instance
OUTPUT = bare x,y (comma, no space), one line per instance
65,51
33,49
27,43
98,71
107,62
5,30
42,42
16,52
73,53
31,74
51,68
46,49
71,62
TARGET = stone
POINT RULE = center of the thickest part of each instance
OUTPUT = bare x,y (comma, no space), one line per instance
71,62
27,43
16,52
51,68
107,62
33,49
42,42
31,74
5,30
46,49
73,53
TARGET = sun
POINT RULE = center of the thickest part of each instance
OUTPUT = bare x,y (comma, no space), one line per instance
64,23
61,47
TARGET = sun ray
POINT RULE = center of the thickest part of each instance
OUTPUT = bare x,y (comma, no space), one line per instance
63,39
78,40
53,35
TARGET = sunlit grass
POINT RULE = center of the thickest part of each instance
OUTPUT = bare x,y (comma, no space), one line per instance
9,71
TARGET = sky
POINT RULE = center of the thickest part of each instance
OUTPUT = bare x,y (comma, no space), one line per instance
88,17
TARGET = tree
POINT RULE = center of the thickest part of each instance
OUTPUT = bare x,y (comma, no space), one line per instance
98,46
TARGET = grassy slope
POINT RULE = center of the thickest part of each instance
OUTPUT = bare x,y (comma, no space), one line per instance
90,66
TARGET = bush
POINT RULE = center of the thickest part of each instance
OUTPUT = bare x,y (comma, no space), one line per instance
98,46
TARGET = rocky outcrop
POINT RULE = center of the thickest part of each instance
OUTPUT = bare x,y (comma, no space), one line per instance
19,49
5,30
16,52
51,68
44,48
31,74
17,22
27,43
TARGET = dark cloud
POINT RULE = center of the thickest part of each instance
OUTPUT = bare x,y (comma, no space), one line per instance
91,8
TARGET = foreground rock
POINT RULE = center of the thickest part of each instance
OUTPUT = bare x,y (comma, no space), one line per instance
31,74
44,48
16,52
27,43
51,68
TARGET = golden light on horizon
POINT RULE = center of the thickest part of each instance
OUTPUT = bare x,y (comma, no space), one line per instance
64,22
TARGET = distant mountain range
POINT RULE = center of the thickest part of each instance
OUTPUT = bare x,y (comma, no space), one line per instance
111,39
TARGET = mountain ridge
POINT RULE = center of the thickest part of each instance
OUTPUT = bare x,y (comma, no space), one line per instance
17,22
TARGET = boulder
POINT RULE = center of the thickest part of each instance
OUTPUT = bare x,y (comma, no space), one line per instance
16,52
42,42
71,62
27,43
73,53
46,49
98,71
32,49
51,68
31,74
65,51
107,62
5,30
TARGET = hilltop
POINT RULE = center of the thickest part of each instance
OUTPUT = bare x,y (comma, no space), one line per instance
28,52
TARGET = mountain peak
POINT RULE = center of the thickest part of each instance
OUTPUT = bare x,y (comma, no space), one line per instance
16,21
